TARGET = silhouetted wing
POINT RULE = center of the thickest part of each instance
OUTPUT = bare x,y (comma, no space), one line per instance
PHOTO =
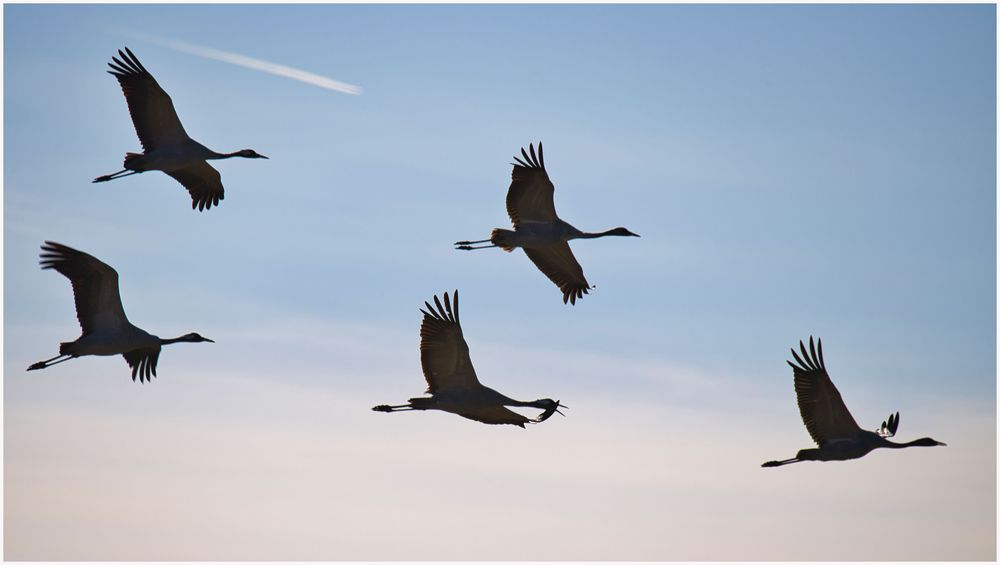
95,286
529,198
444,355
143,362
156,123
558,263
822,409
203,182
889,427
495,415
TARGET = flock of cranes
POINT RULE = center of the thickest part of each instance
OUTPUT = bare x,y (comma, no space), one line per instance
452,384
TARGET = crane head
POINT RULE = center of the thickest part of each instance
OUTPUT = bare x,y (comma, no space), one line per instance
622,231
249,154
195,337
550,406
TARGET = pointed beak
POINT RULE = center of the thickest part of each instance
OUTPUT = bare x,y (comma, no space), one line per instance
262,156
209,340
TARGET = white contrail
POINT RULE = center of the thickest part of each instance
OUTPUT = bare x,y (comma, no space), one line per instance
257,64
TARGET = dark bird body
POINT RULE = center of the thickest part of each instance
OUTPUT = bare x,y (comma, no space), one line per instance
538,230
451,379
106,330
827,419
166,146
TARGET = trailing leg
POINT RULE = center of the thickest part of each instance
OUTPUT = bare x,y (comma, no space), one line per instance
49,362
387,408
113,176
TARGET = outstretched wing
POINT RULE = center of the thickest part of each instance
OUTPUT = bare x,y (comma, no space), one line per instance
822,409
95,286
559,264
889,427
143,362
529,198
444,355
495,415
156,123
203,182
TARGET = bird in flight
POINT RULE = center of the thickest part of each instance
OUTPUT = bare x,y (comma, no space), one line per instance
451,380
166,146
538,230
106,330
829,422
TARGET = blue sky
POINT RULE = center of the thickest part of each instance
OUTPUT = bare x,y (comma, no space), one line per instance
792,170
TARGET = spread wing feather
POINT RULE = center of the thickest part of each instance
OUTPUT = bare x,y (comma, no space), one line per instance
889,427
143,362
444,355
823,410
153,115
529,198
203,182
95,286
559,264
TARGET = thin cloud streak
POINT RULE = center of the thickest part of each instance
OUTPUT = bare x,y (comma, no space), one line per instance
259,65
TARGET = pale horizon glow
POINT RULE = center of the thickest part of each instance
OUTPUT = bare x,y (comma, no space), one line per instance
248,62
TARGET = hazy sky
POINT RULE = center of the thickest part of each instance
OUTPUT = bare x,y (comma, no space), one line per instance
825,170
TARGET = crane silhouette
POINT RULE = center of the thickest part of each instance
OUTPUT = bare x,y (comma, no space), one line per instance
106,330
166,146
451,379
538,230
826,416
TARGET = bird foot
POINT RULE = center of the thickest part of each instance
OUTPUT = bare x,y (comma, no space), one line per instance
36,366
102,178
382,408
771,464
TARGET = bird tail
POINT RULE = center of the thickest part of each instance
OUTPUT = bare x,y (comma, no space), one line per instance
131,159
421,403
65,348
502,239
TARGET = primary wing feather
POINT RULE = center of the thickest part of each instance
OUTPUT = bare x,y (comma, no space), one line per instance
95,286
559,264
143,362
820,404
203,182
153,115
444,355
529,198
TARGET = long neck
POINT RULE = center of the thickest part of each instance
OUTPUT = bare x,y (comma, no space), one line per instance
180,339
214,155
589,235
923,442
530,404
